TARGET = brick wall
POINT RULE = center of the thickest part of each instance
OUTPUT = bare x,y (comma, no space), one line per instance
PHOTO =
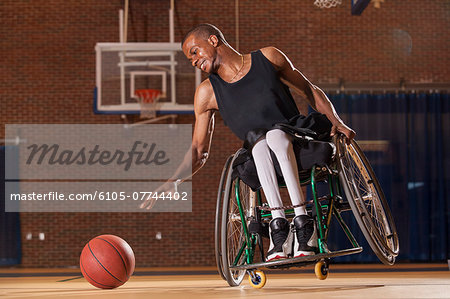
47,75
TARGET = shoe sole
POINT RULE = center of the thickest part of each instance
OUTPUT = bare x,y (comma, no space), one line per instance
277,257
304,253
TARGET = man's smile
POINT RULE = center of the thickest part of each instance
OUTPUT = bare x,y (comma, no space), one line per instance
203,65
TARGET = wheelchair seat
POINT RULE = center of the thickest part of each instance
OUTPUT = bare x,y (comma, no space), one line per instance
307,152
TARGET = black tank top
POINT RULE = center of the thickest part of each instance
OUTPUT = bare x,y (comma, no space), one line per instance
257,101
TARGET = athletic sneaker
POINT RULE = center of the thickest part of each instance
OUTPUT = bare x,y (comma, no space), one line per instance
279,233
306,236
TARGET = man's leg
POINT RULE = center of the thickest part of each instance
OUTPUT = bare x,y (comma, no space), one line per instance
281,144
306,235
279,226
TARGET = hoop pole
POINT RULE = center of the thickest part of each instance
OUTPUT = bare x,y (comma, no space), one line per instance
172,79
236,10
125,25
122,77
152,120
16,141
121,25
172,55
171,22
122,38
98,72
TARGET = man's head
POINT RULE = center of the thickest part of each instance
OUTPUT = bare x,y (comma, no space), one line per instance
200,46
205,31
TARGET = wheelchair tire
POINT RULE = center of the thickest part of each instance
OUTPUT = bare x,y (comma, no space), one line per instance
259,279
367,201
321,270
232,232
217,223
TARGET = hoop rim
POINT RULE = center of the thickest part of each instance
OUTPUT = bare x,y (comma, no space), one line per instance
147,96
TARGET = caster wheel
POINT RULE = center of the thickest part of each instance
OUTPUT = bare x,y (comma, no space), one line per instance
258,280
321,270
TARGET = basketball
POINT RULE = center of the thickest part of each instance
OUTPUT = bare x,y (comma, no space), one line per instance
107,261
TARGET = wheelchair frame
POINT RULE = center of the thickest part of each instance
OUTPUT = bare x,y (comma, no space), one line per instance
241,208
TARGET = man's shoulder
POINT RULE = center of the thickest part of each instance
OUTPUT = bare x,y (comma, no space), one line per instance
271,51
204,97
205,84
205,88
274,55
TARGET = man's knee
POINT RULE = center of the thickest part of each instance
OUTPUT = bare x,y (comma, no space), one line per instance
260,150
278,141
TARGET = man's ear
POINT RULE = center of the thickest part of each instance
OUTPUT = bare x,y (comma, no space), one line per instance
213,40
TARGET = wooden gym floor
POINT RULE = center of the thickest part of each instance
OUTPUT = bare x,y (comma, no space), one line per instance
344,281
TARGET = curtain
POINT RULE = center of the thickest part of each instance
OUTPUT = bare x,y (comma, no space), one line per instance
10,246
406,139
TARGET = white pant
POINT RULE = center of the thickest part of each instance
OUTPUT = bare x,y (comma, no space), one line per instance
281,144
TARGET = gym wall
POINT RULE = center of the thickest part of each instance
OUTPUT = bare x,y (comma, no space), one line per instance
48,76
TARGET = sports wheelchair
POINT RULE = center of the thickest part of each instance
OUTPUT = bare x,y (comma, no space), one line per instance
242,219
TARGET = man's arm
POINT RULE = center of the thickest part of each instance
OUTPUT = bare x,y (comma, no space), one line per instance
316,97
204,108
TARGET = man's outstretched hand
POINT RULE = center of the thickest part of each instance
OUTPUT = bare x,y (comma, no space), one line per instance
167,187
343,129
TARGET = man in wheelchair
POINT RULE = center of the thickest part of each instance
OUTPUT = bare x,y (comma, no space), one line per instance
251,92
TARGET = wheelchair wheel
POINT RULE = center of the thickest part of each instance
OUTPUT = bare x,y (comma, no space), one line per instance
217,231
233,238
257,279
367,201
321,270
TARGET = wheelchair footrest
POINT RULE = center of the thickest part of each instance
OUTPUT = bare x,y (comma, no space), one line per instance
260,228
298,260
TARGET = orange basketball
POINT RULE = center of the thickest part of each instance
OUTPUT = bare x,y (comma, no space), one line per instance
107,261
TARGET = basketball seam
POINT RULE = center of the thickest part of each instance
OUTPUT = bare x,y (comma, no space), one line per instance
123,261
102,264
84,271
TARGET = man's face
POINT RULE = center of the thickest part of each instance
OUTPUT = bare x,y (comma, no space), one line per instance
200,52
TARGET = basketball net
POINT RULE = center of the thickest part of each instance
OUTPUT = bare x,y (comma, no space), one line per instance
148,99
327,3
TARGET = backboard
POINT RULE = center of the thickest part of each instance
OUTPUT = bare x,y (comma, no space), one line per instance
122,68
358,6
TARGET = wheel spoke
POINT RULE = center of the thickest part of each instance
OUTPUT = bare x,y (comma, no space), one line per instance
365,194
236,238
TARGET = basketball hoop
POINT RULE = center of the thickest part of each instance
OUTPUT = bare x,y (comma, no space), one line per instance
148,99
327,3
